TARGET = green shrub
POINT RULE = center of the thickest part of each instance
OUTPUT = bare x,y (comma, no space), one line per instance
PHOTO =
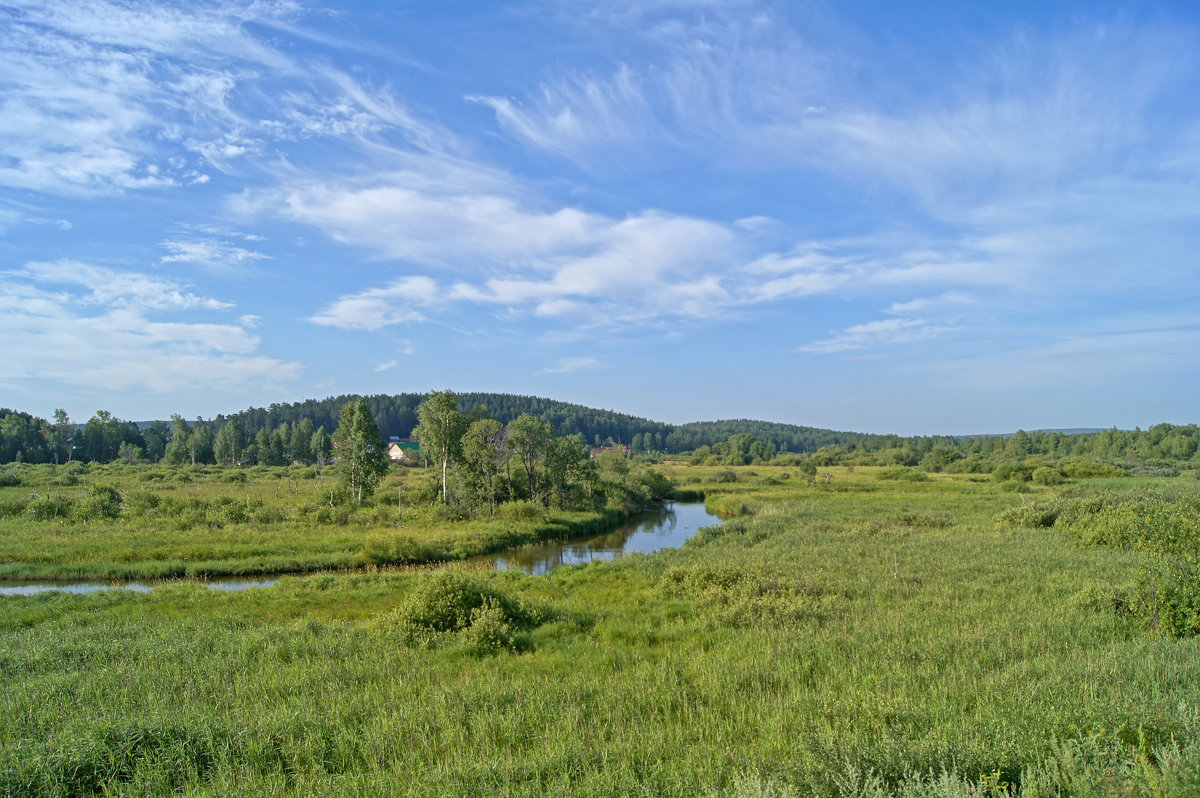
394,549
1047,475
234,512
902,474
522,510
489,631
450,601
1019,472
12,506
1166,596
141,503
100,502
1089,469
267,515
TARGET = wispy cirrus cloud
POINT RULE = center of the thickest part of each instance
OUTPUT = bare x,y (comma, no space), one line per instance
157,96
97,285
211,253
874,334
567,365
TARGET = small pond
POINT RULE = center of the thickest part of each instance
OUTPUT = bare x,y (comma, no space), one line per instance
665,529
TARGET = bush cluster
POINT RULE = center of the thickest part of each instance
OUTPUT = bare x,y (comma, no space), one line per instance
1166,595
486,619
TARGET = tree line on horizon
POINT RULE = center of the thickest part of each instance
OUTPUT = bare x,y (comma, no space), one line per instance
301,433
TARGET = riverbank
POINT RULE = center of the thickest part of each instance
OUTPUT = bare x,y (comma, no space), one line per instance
208,522
122,551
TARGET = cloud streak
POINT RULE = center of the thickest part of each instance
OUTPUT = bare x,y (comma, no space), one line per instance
93,327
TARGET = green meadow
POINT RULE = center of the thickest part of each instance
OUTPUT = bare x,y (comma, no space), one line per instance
120,521
871,632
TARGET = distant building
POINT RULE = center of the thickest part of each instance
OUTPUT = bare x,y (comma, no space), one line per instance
400,450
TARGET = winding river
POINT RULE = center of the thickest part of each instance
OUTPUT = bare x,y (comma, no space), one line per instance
665,529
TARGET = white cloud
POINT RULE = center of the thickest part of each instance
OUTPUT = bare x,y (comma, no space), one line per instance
103,97
391,364
377,308
876,333
574,113
949,300
567,365
91,327
209,252
119,289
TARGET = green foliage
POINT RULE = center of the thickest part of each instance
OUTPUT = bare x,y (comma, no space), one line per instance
45,508
440,431
1166,596
1088,468
362,458
1031,516
1013,471
1047,475
100,502
522,510
867,638
490,630
453,601
395,549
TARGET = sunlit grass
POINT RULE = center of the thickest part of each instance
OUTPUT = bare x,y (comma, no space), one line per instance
854,636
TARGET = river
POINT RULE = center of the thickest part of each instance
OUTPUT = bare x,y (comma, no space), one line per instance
666,528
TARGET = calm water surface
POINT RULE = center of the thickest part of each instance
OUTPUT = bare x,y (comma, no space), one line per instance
33,588
666,529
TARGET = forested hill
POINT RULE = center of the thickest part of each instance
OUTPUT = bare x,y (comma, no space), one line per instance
396,414
269,435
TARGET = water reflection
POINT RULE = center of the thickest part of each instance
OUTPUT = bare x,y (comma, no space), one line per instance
667,529
34,588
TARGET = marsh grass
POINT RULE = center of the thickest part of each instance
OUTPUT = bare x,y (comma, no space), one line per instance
855,637
141,522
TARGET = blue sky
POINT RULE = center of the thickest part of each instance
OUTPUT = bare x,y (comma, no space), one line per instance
884,217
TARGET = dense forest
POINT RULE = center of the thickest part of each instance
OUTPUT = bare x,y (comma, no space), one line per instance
300,432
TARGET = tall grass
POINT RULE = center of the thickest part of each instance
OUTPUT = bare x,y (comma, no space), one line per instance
871,638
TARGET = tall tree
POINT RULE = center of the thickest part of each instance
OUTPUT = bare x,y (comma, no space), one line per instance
179,449
484,453
301,448
321,446
201,443
60,436
362,459
231,439
440,427
530,439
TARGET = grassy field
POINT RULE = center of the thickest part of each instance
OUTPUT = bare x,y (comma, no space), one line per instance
856,636
148,522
